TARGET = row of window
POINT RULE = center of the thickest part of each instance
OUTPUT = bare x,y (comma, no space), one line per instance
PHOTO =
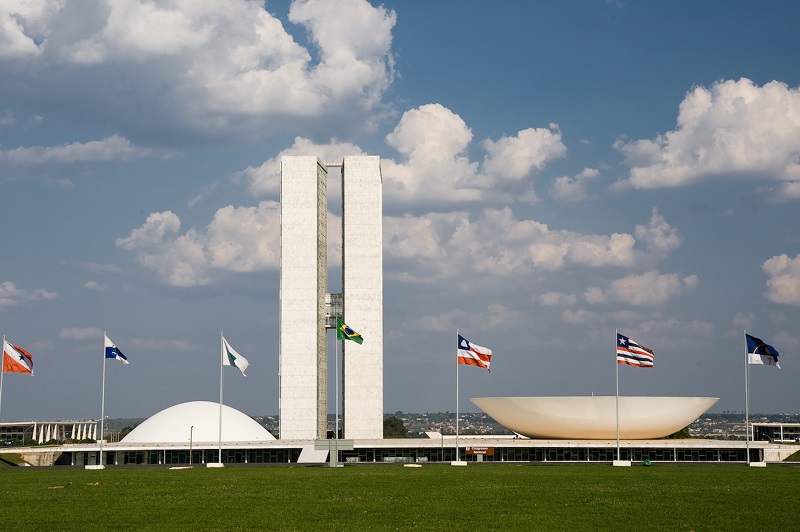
547,454
780,434
500,454
204,456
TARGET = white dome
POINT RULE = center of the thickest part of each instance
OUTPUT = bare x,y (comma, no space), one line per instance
201,420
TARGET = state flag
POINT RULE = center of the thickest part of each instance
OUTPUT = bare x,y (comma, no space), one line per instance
231,358
471,354
16,359
632,353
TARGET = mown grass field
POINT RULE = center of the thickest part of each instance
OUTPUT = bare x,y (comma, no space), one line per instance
392,497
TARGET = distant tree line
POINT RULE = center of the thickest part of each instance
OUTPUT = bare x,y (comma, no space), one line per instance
393,427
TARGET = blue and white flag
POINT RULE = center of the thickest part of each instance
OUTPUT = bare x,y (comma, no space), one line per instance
113,351
759,352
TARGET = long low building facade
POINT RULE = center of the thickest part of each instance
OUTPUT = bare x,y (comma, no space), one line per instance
409,450
45,431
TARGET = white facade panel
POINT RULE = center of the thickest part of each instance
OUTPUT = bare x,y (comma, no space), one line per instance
303,360
362,288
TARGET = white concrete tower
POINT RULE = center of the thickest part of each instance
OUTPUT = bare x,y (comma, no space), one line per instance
362,289
303,272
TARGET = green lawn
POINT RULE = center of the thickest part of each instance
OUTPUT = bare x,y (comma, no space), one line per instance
392,497
10,459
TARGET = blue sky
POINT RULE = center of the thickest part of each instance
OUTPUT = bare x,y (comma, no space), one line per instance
553,172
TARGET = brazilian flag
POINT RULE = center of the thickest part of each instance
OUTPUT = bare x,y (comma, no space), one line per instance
343,332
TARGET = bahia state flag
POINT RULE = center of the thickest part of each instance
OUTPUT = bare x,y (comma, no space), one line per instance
759,352
343,332
473,355
112,351
231,358
16,359
633,354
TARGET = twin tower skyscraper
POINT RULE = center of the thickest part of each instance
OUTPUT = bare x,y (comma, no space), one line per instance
307,309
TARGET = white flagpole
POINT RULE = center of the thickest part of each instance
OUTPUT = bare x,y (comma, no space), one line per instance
336,377
333,458
2,364
746,401
221,348
616,402
103,404
458,457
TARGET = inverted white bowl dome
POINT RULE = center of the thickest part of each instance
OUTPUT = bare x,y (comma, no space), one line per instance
594,417
200,421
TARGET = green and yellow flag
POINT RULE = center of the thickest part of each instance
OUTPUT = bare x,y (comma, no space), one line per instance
343,332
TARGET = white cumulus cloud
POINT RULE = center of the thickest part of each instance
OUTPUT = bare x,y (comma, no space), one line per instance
576,317
730,130
94,286
783,285
238,239
440,323
203,68
25,26
11,295
113,148
515,157
436,165
557,299
265,180
641,290
573,189
658,236
418,249
496,243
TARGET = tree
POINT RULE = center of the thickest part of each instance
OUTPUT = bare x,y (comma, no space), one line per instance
393,427
681,434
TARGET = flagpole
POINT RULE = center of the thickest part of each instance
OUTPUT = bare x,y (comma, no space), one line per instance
336,400
334,459
2,371
616,401
103,404
221,347
458,457
746,401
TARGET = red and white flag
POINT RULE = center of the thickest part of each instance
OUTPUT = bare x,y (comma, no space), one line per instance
473,355
633,354
16,359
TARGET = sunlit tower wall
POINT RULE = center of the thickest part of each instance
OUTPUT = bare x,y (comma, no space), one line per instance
303,278
362,290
